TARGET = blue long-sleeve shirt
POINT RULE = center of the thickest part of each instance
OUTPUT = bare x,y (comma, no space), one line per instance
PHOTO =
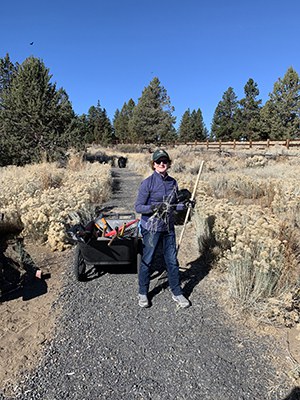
154,190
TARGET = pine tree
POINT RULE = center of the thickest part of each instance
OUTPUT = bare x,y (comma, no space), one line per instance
121,121
7,71
224,124
199,130
192,126
281,113
100,128
184,131
35,115
152,119
117,125
249,112
77,132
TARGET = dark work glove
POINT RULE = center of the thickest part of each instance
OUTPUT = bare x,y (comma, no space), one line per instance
159,208
190,203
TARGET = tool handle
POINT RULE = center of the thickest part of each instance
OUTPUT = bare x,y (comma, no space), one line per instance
113,232
189,208
114,237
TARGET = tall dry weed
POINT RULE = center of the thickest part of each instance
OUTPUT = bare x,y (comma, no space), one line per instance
75,161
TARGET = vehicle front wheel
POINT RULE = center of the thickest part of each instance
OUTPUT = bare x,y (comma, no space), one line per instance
79,265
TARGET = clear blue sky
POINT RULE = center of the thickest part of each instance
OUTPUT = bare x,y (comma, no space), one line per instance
110,50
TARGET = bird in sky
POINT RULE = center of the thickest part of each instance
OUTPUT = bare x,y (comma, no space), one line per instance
31,43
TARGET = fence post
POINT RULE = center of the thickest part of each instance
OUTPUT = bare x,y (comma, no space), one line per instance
207,144
268,143
220,144
250,144
287,143
234,144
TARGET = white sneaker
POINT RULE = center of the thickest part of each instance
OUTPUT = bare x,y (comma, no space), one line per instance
181,301
143,301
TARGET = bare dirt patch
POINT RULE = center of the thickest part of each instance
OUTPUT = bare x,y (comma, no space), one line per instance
28,315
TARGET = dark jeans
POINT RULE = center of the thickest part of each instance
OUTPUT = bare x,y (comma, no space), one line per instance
150,242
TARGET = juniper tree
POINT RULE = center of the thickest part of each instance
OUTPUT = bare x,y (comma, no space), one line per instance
224,123
281,113
152,119
35,115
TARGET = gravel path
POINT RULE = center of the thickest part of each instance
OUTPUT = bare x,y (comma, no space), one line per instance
106,347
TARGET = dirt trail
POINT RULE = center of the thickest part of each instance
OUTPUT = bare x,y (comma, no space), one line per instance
28,315
199,353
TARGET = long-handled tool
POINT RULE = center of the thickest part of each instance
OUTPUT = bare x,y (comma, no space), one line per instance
189,208
164,273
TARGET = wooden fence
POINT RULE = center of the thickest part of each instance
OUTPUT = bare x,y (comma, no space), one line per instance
245,144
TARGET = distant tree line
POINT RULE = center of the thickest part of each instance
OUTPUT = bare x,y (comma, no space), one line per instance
247,119
37,121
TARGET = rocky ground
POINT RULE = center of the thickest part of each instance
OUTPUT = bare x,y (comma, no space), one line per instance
65,339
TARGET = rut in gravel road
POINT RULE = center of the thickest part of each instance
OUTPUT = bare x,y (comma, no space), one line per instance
106,347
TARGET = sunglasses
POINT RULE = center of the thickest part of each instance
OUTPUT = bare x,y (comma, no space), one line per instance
162,161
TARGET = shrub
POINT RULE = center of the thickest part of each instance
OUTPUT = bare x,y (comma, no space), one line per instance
43,195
